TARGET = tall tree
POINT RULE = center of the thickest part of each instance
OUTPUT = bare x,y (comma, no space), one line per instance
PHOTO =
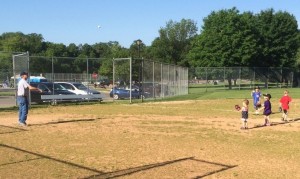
72,50
278,42
173,42
228,39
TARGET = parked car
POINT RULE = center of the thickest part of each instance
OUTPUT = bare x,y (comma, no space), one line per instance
121,93
77,88
47,89
103,82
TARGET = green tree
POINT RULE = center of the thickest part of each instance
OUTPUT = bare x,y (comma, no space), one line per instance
55,50
173,42
137,50
278,42
72,50
228,39
116,51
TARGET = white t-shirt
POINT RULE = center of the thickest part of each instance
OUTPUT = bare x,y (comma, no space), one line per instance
23,88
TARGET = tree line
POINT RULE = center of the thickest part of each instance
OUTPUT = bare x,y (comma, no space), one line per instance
228,38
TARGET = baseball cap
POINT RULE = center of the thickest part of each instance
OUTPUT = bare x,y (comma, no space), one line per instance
23,73
257,87
267,95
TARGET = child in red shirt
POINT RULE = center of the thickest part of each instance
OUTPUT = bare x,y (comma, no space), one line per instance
284,104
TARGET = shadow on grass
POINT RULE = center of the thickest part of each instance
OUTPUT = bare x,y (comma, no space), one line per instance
11,163
64,121
41,156
225,167
115,174
276,123
129,171
23,129
12,129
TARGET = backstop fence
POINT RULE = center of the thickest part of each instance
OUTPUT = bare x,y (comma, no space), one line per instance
148,79
211,78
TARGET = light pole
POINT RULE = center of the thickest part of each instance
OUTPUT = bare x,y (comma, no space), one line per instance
139,43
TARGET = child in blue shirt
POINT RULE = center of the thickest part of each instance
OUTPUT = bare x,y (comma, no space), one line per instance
256,98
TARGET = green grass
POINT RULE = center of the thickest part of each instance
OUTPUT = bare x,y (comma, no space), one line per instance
7,93
121,136
200,93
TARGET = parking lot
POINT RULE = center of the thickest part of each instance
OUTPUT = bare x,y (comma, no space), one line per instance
10,100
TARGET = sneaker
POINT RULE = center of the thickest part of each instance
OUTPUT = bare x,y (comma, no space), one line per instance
282,119
22,124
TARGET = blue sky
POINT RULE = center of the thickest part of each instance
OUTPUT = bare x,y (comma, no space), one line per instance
76,21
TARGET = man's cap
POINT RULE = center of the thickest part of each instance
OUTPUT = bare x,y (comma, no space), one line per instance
23,73
267,95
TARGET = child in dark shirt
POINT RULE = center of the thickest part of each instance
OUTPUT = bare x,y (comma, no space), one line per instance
267,109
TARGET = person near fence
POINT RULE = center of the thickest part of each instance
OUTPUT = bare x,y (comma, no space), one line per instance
256,94
267,109
22,98
284,104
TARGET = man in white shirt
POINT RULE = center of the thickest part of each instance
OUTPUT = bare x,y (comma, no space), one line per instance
22,98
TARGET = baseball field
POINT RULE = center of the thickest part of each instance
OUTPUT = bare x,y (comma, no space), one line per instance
194,136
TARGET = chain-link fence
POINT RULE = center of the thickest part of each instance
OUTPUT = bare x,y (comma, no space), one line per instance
11,64
210,78
67,69
147,79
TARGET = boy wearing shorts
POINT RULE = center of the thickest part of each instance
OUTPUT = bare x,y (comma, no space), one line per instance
284,104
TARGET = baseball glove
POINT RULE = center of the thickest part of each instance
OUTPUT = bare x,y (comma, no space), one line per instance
258,105
280,109
237,107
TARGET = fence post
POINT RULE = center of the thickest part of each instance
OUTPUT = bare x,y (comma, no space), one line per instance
113,83
268,79
206,79
281,78
292,80
169,85
240,78
253,78
224,73
87,74
142,79
130,78
153,85
161,79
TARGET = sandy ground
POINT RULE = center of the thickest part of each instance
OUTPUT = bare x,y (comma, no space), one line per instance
151,140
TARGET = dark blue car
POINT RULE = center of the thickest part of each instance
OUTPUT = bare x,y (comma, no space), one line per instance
121,93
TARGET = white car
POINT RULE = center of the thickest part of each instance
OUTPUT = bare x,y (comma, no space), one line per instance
77,88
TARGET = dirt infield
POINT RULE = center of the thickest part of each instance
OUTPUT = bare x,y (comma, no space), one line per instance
188,139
